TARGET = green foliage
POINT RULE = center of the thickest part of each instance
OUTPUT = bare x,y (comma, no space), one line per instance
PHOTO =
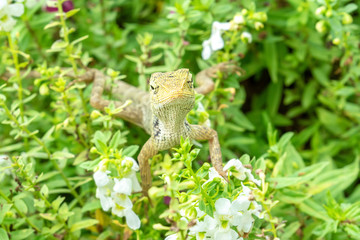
295,109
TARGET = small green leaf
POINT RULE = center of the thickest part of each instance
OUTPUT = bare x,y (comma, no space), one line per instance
52,24
130,151
3,234
4,208
83,224
72,12
21,234
115,140
20,204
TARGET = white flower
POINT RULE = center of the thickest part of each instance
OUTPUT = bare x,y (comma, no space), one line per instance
207,51
123,208
135,185
123,186
7,12
246,37
239,19
214,174
204,229
101,178
240,172
215,42
172,237
104,194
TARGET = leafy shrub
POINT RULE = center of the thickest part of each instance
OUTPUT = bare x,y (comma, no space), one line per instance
294,108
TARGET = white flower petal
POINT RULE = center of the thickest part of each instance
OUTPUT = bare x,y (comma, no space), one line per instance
222,206
16,9
206,52
101,178
135,183
216,41
242,203
172,237
123,186
135,166
132,220
3,3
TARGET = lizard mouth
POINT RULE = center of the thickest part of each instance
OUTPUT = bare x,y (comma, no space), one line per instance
175,102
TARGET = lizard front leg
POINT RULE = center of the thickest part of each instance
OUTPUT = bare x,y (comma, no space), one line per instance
148,151
200,132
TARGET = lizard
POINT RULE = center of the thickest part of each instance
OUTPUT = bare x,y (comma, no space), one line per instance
162,112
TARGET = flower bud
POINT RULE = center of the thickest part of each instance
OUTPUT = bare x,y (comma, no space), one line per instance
44,90
321,26
258,25
176,155
206,166
336,41
191,213
95,114
260,16
244,11
183,197
93,150
320,11
246,37
239,19
160,227
329,13
347,19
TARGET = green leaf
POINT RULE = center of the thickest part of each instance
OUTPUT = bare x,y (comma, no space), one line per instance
56,203
44,191
52,24
274,94
332,122
312,208
271,60
130,151
72,12
20,204
309,94
4,208
90,206
300,177
3,234
90,165
21,234
83,224
114,143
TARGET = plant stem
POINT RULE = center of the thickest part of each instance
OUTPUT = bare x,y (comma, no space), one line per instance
42,144
19,212
19,82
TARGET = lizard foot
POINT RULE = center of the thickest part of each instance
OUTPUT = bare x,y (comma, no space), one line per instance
225,67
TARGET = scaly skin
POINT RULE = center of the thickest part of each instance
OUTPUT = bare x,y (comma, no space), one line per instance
162,112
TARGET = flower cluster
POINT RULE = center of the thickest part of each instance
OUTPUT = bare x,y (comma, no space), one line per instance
7,14
230,218
215,42
327,15
233,216
239,23
114,192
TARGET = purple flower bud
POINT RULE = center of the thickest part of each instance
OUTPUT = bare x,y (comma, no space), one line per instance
172,12
67,6
167,200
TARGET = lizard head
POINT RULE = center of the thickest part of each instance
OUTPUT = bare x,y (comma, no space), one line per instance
172,91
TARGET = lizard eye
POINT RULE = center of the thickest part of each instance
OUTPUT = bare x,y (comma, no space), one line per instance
154,89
